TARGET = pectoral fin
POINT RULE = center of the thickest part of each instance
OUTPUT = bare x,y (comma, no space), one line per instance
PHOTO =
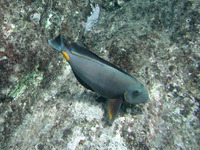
113,107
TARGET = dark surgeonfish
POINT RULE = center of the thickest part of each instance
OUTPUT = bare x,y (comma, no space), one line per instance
102,77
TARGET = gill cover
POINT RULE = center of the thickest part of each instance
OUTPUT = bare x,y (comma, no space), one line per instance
136,96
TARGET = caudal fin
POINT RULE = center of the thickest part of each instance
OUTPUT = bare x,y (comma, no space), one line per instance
57,43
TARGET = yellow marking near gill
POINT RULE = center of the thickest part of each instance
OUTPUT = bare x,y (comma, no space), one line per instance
125,96
65,55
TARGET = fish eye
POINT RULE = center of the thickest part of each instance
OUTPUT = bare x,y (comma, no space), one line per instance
136,92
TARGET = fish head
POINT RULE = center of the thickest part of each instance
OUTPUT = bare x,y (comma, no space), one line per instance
136,95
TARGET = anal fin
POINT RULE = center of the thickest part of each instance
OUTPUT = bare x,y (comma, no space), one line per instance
82,82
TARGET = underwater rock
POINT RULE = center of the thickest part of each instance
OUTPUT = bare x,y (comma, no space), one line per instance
40,99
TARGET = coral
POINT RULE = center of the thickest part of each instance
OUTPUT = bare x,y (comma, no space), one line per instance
92,19
33,78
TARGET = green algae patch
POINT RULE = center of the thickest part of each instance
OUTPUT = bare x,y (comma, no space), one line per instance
33,78
179,34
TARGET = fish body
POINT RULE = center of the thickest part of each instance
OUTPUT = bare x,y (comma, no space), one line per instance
102,77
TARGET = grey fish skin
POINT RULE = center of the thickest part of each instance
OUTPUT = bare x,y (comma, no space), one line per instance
102,77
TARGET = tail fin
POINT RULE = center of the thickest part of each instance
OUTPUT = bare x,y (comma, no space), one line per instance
57,43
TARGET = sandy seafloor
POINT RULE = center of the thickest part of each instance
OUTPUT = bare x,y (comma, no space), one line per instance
42,105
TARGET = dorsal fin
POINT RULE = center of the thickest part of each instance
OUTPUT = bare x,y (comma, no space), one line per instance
76,49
